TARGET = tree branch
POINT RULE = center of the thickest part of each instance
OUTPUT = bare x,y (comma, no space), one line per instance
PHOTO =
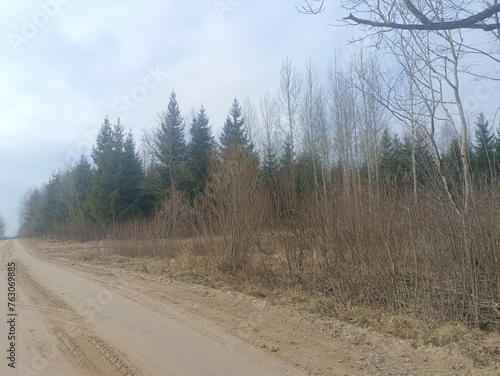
472,22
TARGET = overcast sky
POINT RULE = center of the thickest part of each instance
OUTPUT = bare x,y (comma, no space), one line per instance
66,64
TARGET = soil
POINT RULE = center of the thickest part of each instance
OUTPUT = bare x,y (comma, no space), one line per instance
76,318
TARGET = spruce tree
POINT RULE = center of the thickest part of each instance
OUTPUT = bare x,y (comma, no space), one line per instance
395,160
106,155
54,209
200,151
270,168
234,136
115,192
386,156
171,146
131,179
82,179
452,165
287,161
484,150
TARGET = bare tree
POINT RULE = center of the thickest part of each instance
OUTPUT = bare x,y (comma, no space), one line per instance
309,121
373,116
270,123
425,15
288,99
343,115
250,114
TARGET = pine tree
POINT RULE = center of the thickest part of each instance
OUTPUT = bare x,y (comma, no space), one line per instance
307,164
115,191
82,179
131,179
200,151
234,136
270,168
54,209
287,160
484,149
452,165
386,156
106,155
395,160
171,146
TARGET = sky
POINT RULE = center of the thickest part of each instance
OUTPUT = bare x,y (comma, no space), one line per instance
67,64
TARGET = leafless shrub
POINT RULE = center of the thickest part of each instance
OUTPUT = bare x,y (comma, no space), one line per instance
234,202
159,237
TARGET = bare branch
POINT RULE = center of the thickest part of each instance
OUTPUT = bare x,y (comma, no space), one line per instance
471,22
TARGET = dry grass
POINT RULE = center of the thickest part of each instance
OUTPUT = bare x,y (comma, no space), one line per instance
264,279
419,270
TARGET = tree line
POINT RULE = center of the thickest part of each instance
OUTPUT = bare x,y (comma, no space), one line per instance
308,140
323,185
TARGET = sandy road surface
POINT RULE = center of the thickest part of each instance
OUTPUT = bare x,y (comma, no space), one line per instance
82,319
69,325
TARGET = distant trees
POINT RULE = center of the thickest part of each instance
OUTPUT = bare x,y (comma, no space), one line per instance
115,193
313,135
3,227
319,181
106,193
32,222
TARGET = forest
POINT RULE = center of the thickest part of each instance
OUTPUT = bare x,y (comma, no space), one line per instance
367,185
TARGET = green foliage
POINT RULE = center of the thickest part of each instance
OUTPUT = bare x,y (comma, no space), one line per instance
201,150
308,177
484,149
395,164
270,169
453,166
82,179
396,161
287,161
234,135
30,214
171,148
130,204
115,191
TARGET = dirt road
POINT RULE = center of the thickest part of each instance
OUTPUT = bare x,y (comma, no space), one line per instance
69,325
77,319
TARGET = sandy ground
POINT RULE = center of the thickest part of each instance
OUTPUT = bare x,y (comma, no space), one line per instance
80,319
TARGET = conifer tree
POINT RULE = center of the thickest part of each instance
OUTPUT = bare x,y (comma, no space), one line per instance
131,179
484,149
82,179
452,164
270,168
200,152
171,146
106,155
234,136
115,192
